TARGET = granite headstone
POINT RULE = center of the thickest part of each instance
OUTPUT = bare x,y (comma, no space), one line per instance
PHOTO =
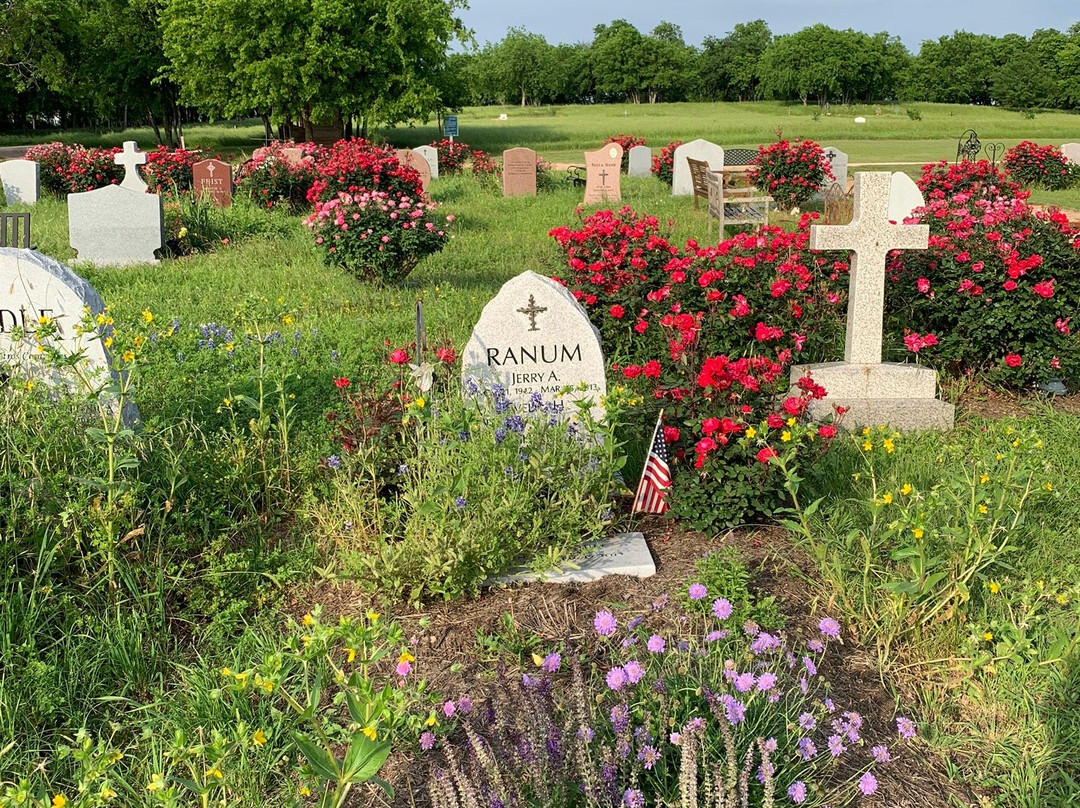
640,162
904,197
623,554
682,184
519,172
213,179
534,337
21,181
602,169
431,155
1071,152
408,157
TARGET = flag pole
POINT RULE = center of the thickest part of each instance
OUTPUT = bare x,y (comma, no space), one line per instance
652,440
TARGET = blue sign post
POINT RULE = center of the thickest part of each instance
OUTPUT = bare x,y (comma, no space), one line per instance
450,128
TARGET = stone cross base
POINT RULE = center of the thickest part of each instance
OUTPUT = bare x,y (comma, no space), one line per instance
900,396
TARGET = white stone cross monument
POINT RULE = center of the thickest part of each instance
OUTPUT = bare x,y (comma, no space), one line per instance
873,392
129,158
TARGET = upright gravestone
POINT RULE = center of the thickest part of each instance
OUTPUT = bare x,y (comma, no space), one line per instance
533,337
602,169
873,392
117,225
407,157
431,156
904,197
213,179
519,172
1071,152
640,162
21,181
838,161
34,287
682,184
293,155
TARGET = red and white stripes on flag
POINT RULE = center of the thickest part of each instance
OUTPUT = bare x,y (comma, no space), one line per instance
655,477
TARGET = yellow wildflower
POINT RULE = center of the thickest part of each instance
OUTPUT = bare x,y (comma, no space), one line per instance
308,619
917,532
751,432
29,385
157,782
866,431
785,436
1015,443
994,587
420,402
108,342
988,636
791,422
147,316
983,509
985,478
351,654
867,446
1049,486
129,356
1062,599
107,793
215,772
226,672
370,732
306,640
305,791
139,340
889,445
906,489
287,319
373,617
406,657
258,738
998,456
886,498
59,801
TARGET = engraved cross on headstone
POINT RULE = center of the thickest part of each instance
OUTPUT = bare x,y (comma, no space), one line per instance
870,236
603,177
532,310
129,158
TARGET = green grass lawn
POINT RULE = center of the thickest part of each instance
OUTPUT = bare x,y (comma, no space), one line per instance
1011,728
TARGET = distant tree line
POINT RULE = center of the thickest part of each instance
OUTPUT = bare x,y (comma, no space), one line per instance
114,63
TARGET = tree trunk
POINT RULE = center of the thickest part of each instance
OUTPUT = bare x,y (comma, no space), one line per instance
523,95
305,121
268,132
154,124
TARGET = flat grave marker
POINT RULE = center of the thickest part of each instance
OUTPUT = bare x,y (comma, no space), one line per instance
622,554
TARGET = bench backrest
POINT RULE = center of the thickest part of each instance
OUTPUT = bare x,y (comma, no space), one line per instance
15,230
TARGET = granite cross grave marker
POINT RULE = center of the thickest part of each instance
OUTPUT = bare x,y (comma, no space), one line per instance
213,178
602,169
875,393
533,337
519,172
117,225
21,181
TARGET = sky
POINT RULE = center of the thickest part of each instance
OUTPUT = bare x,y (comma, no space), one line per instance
912,20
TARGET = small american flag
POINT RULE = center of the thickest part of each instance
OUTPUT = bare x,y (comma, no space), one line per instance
655,477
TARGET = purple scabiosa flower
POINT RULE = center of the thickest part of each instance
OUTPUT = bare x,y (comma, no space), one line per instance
696,591
829,627
427,741
616,678
682,646
675,738
829,705
735,712
767,681
836,746
648,756
808,663
528,681
449,709
797,791
660,602
905,726
464,705
713,636
605,623
460,503
750,628
722,608
815,645
633,798
853,725
881,754
333,461
552,662
807,721
806,748
764,642
803,685
656,644
634,671
744,681
868,783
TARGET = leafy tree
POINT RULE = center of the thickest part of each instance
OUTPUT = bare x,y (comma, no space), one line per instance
619,61
667,63
37,38
522,65
955,69
727,68
1022,81
1068,64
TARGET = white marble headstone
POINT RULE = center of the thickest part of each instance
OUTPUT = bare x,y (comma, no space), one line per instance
838,160
640,162
682,184
533,337
624,554
904,197
33,286
1071,152
431,155
21,181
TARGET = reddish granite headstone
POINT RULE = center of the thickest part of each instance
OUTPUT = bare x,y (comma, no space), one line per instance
213,178
293,155
602,174
519,172
407,157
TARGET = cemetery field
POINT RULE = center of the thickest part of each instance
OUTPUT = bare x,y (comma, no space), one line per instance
205,611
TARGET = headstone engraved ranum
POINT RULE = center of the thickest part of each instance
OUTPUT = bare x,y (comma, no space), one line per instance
533,337
35,286
602,169
682,184
213,179
640,162
118,224
519,172
874,393
21,181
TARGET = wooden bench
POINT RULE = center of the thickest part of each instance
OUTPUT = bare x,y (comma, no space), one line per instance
730,197
15,230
